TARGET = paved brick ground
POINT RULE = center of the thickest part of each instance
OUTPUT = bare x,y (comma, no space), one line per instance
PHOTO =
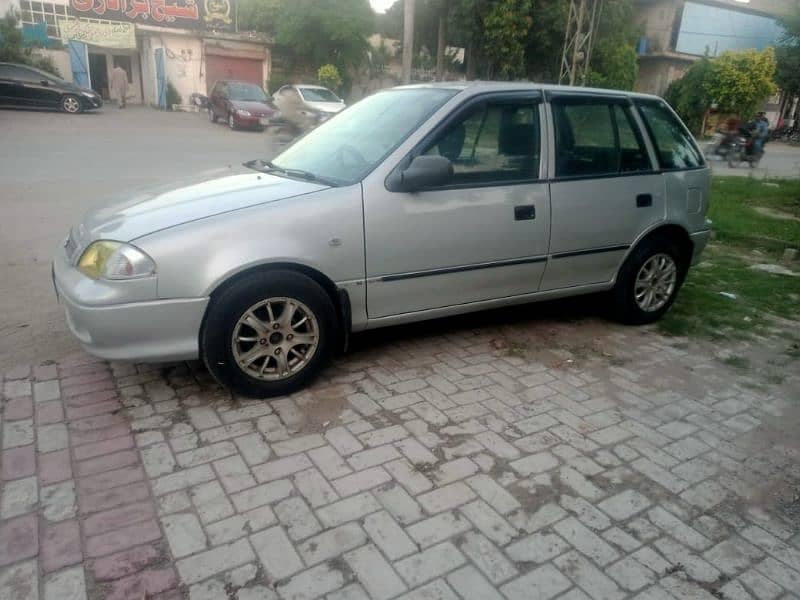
540,460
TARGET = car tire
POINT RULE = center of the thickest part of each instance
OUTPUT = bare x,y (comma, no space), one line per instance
656,266
71,104
231,121
250,344
212,116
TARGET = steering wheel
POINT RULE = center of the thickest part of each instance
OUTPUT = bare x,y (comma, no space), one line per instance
350,157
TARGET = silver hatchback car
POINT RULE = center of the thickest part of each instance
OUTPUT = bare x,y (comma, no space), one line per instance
415,203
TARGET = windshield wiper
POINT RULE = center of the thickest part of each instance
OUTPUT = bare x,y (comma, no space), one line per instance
266,166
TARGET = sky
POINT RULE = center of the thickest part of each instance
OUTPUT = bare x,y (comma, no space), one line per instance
381,5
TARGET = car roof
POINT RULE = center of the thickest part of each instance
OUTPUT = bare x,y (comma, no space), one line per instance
237,81
477,87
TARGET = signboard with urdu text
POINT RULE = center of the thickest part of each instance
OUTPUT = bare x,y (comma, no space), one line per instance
108,35
181,14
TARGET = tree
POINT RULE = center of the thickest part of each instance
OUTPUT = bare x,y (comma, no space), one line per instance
613,62
317,33
787,55
740,81
328,75
13,48
505,30
736,82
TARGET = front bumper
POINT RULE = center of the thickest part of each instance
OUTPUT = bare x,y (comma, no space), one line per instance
91,103
140,330
699,243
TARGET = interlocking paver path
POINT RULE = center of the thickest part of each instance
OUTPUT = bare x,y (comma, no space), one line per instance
540,460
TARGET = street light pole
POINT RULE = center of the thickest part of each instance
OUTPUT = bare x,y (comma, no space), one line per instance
408,39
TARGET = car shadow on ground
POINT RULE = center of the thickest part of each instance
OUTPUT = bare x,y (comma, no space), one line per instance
522,317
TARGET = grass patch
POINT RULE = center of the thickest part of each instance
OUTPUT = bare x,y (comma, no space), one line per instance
700,308
739,363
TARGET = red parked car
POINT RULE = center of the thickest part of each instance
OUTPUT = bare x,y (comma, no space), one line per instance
241,104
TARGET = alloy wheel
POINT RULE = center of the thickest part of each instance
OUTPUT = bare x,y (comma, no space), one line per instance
275,339
71,104
655,282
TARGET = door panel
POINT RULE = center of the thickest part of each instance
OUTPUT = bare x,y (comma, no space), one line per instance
605,192
594,223
484,237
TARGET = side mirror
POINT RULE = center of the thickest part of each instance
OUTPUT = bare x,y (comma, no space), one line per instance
423,172
44,82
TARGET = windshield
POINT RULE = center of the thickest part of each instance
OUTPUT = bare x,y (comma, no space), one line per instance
246,92
318,95
357,139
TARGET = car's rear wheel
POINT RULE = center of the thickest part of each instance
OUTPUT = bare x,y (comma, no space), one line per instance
70,104
649,280
231,121
212,116
269,333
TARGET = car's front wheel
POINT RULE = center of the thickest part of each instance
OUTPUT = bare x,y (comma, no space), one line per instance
268,333
231,121
70,104
649,280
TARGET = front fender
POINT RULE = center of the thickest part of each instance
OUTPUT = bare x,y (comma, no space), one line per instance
322,230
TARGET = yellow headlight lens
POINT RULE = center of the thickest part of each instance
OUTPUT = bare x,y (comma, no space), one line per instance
94,258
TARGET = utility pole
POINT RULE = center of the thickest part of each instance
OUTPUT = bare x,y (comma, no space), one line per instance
441,42
578,40
408,39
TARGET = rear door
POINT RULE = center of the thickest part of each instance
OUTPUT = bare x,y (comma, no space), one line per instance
605,190
37,90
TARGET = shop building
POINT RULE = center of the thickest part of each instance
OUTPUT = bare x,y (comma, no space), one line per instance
189,44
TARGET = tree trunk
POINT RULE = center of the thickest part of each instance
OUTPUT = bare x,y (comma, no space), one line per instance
441,43
469,58
408,40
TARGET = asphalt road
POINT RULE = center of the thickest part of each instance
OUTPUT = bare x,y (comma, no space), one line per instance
56,166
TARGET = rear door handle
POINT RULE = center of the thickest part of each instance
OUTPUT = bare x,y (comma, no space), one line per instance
525,212
643,200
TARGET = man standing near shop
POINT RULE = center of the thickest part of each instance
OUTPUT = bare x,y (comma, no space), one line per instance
119,85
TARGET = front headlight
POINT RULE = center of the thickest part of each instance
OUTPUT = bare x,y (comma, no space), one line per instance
114,260
88,94
243,113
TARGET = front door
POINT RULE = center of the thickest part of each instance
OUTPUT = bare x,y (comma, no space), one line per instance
36,89
605,191
482,237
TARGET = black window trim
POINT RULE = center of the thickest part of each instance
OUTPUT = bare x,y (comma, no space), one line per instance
637,102
610,100
534,96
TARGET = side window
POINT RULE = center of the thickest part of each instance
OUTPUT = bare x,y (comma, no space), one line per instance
6,72
596,137
25,75
585,143
632,152
492,143
674,145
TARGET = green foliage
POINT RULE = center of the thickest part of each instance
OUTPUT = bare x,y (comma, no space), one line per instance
173,96
614,62
505,30
736,82
328,75
740,81
316,33
13,49
787,55
688,95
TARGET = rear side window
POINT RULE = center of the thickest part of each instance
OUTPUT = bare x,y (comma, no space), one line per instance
493,143
674,145
595,136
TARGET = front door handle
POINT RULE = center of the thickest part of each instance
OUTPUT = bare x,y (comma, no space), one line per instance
525,212
643,200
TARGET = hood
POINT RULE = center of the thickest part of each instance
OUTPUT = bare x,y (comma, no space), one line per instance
328,107
253,107
208,195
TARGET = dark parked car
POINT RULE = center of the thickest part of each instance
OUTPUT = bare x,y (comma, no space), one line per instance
241,104
21,85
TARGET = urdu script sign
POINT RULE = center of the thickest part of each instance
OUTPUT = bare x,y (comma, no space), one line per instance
181,14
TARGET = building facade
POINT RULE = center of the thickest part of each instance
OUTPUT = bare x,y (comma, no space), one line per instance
676,33
186,43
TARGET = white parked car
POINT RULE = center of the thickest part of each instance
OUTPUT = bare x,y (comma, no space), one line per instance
306,106
415,203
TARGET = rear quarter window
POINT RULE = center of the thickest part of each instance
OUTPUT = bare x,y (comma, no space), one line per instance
674,145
